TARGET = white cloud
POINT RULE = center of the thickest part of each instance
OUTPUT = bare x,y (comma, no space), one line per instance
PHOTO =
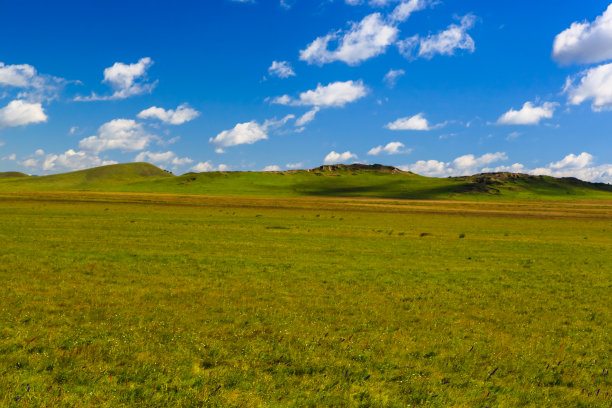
272,167
70,160
585,42
446,42
182,114
20,113
573,161
207,166
307,117
124,134
287,4
403,11
29,163
595,84
11,157
416,122
529,114
281,69
246,133
362,41
162,158
461,166
242,133
581,166
294,166
334,158
126,80
336,94
34,87
392,76
20,76
389,148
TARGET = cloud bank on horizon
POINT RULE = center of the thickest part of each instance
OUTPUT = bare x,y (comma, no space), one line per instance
436,89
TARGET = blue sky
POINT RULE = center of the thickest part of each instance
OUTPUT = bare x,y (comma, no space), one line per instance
437,87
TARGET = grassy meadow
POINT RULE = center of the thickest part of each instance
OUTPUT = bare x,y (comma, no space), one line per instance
326,181
158,300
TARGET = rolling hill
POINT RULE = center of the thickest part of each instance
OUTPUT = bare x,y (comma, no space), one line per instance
355,180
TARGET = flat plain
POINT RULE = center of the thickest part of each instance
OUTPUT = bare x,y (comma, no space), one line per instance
129,299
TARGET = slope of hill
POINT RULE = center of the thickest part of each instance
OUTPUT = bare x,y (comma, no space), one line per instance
355,180
12,174
105,178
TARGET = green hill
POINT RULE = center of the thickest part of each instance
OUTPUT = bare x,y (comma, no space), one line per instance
355,180
105,178
12,174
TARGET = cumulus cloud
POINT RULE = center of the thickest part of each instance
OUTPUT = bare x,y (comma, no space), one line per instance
461,166
281,69
364,40
585,42
581,166
272,167
123,134
242,133
33,86
20,113
336,94
307,117
182,114
126,80
403,10
446,42
70,160
416,122
389,148
294,166
286,4
594,84
203,167
529,114
392,76
335,158
246,133
20,76
162,158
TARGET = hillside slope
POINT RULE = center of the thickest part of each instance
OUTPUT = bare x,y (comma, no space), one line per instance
105,178
12,174
355,180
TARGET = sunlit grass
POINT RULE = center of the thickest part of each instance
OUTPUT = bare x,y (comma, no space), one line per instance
150,300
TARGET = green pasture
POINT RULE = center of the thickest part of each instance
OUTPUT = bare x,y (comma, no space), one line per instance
121,300
326,181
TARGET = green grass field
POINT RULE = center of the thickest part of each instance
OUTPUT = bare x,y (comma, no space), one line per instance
326,181
158,300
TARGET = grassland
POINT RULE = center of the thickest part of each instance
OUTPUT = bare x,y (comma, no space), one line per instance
157,300
326,181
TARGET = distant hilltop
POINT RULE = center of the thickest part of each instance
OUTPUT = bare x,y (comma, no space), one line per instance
358,167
